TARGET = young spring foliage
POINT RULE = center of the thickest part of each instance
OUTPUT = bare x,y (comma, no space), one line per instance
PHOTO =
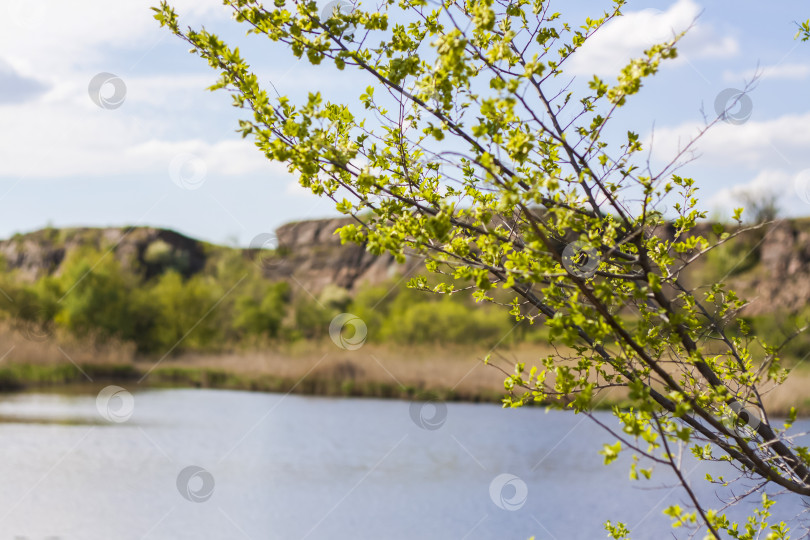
467,145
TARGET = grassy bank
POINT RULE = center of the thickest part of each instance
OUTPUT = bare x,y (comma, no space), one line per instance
315,367
454,374
30,377
448,374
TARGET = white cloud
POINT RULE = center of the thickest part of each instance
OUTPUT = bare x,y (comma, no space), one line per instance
758,158
297,190
50,38
65,134
779,71
626,37
60,132
791,187
229,158
703,43
764,183
755,145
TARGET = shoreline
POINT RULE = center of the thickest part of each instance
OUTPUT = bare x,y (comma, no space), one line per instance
23,378
31,377
454,373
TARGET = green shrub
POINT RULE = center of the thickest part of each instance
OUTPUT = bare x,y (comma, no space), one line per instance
262,314
94,294
446,321
186,312
312,319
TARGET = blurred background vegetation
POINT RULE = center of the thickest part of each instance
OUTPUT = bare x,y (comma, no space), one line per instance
218,299
229,305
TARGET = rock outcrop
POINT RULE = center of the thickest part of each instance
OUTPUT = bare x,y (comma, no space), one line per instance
309,255
782,277
41,253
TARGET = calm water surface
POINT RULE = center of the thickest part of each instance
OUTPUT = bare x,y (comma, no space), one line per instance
290,467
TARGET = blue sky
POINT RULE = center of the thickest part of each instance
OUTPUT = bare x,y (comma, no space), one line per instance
168,155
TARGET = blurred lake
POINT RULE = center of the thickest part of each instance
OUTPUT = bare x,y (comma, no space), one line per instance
170,464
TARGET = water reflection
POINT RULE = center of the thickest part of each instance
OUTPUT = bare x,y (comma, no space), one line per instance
221,464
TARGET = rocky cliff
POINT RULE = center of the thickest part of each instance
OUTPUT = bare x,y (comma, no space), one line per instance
770,267
311,254
42,252
781,277
307,253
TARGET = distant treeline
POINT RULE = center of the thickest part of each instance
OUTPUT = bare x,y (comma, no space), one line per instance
229,304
